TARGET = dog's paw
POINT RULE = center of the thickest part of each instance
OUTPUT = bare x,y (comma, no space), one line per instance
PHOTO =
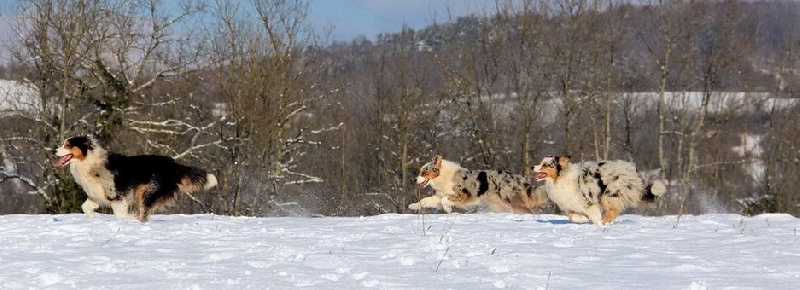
447,207
414,206
579,219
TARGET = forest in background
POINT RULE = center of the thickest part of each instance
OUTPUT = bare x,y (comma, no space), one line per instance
700,93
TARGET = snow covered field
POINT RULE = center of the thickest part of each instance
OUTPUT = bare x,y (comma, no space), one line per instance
456,251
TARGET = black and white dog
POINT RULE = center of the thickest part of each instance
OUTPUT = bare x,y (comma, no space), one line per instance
117,181
599,191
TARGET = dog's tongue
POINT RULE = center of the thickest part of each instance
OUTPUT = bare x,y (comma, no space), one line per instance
424,183
541,175
63,160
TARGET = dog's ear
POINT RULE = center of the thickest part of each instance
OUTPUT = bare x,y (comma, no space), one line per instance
89,144
438,161
563,161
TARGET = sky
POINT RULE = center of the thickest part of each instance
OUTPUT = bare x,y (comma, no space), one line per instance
351,18
399,251
347,19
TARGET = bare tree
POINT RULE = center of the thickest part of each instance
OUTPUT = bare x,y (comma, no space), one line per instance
266,85
404,82
94,64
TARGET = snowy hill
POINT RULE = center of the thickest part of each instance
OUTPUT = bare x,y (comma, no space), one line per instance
479,251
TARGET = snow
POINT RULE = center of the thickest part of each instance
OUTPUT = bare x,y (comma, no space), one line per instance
719,102
751,147
17,97
399,251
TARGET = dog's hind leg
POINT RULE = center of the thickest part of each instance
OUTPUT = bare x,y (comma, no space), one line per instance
520,205
594,214
610,211
88,207
139,195
459,195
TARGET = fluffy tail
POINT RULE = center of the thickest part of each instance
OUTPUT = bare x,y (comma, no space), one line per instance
211,181
195,179
654,190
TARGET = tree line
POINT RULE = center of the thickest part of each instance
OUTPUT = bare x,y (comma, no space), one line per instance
702,94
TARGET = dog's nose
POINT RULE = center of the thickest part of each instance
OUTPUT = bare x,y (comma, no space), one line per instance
52,151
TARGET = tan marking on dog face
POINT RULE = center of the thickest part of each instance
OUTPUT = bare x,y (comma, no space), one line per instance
546,169
549,167
77,154
73,149
429,171
429,174
551,173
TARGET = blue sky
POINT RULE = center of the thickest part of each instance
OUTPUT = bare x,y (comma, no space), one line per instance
351,18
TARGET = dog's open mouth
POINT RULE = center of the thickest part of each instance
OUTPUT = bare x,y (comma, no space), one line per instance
541,175
424,183
63,160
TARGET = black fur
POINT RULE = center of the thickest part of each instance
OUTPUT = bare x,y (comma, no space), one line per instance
161,172
483,183
82,142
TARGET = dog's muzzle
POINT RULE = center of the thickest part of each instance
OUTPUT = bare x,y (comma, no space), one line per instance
422,181
64,157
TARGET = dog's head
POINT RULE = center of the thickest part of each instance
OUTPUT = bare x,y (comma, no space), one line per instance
75,148
429,171
550,167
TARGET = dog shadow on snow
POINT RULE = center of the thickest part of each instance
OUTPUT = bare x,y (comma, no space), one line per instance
567,222
555,222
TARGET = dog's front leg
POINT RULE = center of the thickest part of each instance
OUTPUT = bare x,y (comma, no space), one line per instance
447,204
111,193
88,207
120,209
428,202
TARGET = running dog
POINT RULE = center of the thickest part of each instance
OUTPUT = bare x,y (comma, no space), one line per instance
495,190
597,191
115,180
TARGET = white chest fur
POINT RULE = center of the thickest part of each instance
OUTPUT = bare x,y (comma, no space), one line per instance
94,178
565,193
